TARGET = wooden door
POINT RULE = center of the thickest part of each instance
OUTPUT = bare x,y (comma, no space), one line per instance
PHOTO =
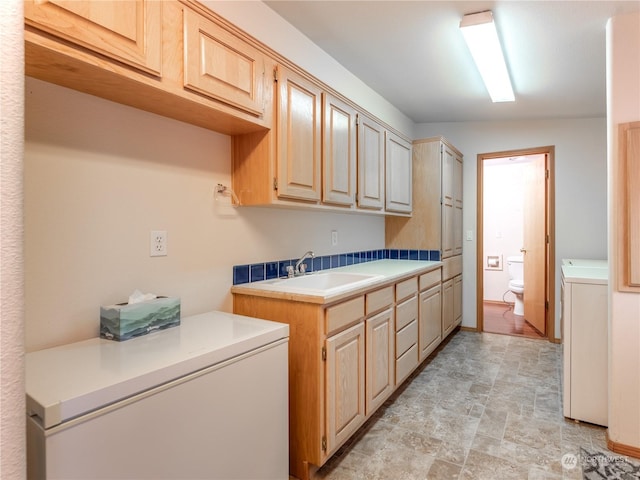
345,375
398,174
129,32
339,152
380,355
298,142
430,326
534,242
370,163
221,66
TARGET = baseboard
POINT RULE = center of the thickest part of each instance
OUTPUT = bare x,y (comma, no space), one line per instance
555,340
469,329
622,449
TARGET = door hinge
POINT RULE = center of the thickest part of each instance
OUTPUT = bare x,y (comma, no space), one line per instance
546,173
547,238
357,119
546,304
324,443
275,183
324,354
275,74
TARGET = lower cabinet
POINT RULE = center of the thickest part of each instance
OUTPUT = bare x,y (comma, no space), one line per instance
447,307
345,371
451,294
380,359
347,358
457,299
430,326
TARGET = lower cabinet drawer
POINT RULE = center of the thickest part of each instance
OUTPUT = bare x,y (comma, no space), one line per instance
406,312
406,364
406,338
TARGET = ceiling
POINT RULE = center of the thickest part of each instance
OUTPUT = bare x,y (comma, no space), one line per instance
412,53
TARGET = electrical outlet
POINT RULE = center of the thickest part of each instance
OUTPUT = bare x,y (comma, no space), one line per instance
158,243
334,238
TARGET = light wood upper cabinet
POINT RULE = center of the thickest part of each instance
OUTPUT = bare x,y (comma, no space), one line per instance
371,178
437,201
457,205
345,384
221,66
339,136
398,174
127,31
298,142
451,202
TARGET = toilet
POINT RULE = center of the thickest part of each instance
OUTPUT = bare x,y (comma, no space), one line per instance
516,282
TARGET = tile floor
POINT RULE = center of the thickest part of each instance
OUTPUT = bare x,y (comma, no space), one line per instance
485,406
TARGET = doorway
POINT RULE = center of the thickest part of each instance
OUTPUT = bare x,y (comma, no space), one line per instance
515,256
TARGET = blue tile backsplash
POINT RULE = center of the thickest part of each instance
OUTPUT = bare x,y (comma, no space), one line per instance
273,269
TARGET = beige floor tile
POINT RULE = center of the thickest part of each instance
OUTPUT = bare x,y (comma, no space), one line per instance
485,406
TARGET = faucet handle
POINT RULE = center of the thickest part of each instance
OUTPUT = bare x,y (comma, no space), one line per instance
302,268
289,270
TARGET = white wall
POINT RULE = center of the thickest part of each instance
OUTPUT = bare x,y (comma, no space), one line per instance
580,185
100,176
623,103
12,401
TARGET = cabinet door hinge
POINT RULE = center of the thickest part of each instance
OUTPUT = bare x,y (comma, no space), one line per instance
357,119
547,238
324,354
275,74
275,183
324,443
546,304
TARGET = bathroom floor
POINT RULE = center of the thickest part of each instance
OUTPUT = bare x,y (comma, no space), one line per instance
499,318
486,406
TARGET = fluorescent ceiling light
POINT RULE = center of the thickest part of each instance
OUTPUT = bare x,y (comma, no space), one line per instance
482,39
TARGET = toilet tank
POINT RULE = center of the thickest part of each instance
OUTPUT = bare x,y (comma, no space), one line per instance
516,267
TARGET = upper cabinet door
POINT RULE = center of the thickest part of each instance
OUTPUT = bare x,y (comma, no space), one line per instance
339,152
298,145
398,170
220,65
457,205
370,163
448,211
128,31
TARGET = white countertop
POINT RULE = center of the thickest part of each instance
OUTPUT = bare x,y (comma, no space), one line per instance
583,262
386,271
589,272
71,380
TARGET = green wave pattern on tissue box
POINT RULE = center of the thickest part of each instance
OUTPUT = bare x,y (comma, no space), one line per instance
125,321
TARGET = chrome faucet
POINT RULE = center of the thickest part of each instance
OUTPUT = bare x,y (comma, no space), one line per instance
301,267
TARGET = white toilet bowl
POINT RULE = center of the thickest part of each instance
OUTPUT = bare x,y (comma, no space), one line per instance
516,282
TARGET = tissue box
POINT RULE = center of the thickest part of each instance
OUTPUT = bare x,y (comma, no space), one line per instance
127,320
